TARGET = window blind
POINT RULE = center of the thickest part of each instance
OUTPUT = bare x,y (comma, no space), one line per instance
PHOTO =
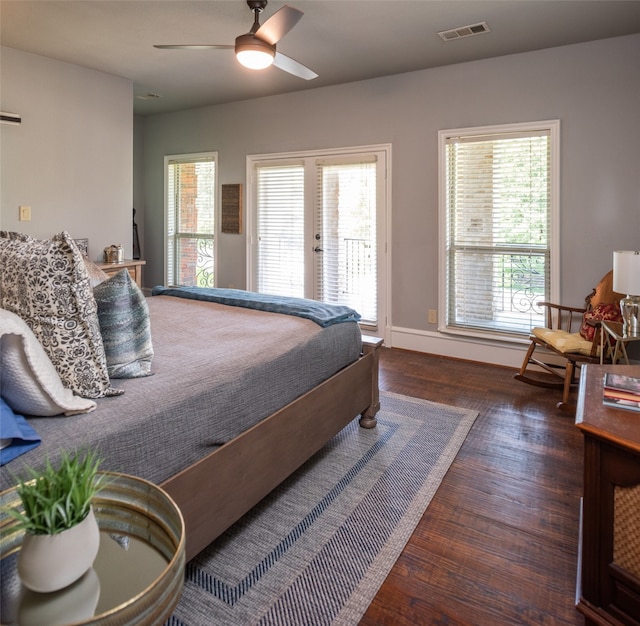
190,211
280,229
346,222
498,209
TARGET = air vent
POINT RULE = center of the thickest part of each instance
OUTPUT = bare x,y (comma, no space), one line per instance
464,31
148,96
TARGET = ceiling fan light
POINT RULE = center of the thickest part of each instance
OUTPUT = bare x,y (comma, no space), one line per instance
255,59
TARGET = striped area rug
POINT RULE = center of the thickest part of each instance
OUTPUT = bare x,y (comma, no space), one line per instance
318,548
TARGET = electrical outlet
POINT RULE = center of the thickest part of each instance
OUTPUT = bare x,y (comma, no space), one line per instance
432,316
25,214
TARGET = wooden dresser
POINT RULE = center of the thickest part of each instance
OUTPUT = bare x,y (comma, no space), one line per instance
609,561
134,267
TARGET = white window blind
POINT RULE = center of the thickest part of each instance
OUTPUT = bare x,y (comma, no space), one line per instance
498,230
280,229
346,222
190,219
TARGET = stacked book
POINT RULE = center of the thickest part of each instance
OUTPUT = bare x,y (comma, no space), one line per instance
621,392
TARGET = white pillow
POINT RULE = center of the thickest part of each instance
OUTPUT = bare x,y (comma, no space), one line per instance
29,383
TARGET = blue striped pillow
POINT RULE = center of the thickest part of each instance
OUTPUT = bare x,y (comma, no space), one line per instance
123,314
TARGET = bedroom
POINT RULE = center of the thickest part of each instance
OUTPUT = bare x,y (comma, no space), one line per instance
73,162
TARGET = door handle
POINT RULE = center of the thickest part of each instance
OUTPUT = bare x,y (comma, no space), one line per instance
317,249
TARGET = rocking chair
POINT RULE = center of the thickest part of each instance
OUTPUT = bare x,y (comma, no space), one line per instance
567,348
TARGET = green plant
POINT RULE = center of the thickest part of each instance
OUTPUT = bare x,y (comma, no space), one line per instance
57,499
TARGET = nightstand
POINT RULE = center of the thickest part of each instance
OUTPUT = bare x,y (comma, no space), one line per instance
134,267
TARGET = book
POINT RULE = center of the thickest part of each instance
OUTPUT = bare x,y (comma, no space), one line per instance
621,395
621,392
618,403
622,383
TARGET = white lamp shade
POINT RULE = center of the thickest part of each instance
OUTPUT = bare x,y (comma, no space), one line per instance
255,59
626,272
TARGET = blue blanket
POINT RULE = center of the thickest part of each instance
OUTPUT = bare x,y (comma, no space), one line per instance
318,312
18,436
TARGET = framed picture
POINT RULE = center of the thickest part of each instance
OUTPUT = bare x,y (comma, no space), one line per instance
232,209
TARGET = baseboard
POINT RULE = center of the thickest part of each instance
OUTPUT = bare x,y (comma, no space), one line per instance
508,354
495,352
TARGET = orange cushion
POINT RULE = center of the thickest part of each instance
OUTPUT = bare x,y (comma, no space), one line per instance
604,293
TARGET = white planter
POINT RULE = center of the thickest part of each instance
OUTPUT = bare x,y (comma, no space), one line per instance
51,562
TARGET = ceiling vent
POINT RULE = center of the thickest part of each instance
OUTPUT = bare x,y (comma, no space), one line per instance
464,31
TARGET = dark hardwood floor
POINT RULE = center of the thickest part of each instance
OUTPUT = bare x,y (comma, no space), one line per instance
498,543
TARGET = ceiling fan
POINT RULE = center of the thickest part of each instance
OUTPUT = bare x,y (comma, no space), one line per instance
257,48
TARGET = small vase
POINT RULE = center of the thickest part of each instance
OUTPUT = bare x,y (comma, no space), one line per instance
51,562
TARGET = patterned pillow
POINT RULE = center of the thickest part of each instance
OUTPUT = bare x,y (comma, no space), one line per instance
45,282
96,275
124,323
598,313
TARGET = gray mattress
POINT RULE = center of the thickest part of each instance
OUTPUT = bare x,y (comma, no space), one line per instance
217,371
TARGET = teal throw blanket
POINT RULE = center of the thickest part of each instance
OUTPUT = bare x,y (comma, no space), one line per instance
318,312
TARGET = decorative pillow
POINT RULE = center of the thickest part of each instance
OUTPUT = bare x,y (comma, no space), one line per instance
598,313
45,282
124,323
29,382
96,275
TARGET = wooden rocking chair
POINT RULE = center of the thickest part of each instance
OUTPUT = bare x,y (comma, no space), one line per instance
560,338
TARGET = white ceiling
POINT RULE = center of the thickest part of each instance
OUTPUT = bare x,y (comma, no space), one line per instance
341,40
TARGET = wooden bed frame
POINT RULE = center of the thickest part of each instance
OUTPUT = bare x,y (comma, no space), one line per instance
220,488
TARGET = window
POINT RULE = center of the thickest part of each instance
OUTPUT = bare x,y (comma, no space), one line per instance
498,208
317,222
190,219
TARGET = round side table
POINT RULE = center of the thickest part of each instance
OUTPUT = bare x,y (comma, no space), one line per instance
137,577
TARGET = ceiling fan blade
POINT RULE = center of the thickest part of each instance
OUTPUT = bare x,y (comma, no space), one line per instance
279,24
202,46
287,64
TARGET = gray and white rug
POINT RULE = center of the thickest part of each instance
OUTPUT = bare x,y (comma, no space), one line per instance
318,548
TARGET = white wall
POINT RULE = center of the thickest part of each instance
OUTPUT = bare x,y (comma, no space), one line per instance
71,158
593,88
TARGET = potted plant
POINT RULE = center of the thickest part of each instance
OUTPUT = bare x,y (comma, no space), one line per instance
61,532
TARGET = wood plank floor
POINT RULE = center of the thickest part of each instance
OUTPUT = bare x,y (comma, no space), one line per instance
498,543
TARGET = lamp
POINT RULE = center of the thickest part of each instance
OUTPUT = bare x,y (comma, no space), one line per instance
254,53
626,279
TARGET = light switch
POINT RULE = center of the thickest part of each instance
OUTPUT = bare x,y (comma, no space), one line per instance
25,213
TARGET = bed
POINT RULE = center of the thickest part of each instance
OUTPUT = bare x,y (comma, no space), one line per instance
238,399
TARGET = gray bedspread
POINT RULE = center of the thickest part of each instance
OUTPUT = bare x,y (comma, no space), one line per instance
217,371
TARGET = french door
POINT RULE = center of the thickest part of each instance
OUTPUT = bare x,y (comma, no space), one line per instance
318,227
